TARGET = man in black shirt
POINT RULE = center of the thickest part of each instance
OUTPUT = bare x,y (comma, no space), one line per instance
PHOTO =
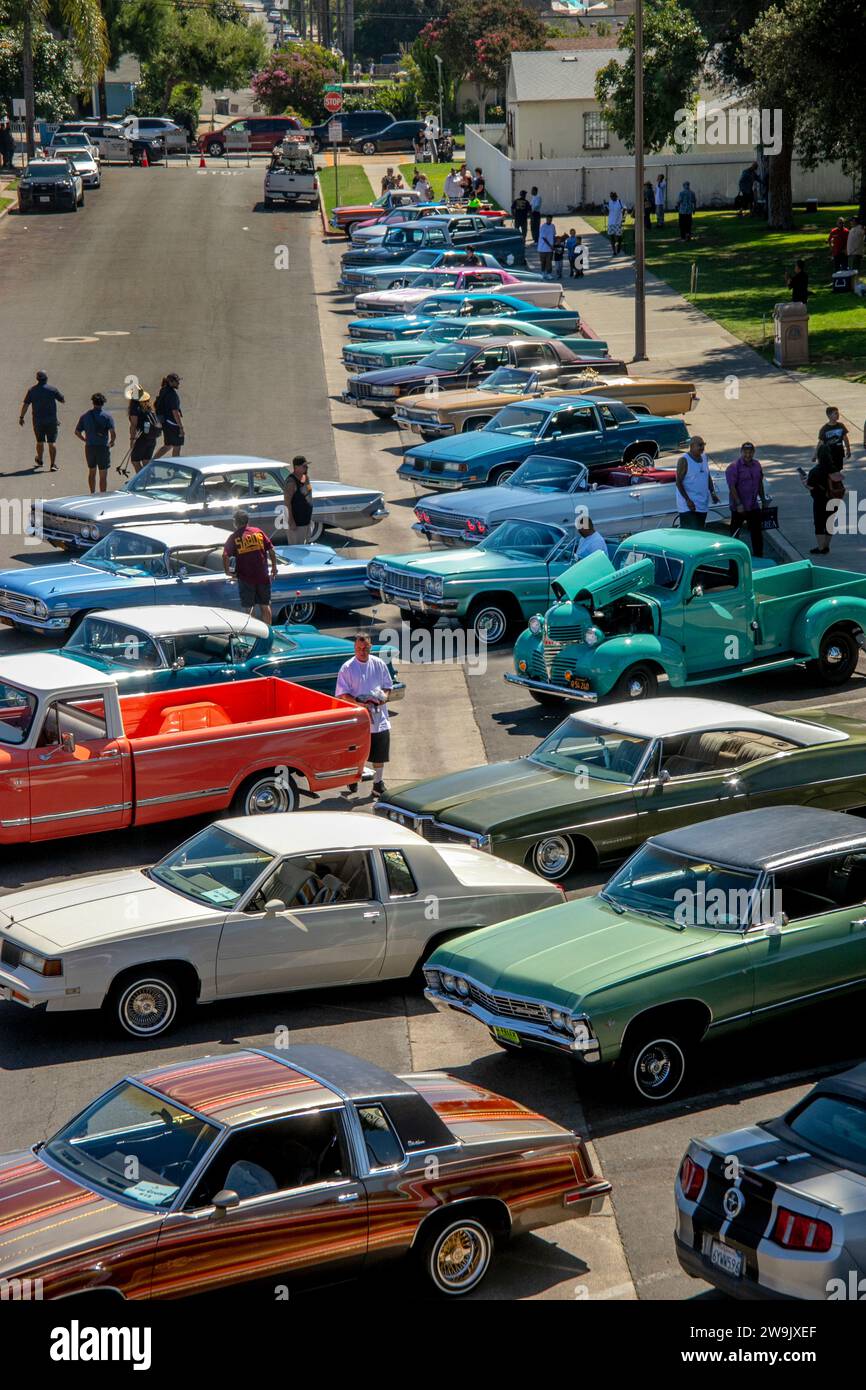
42,400
169,412
520,212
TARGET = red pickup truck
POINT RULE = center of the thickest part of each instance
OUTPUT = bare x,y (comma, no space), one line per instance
75,756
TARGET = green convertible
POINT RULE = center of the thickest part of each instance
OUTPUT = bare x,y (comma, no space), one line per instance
704,931
605,779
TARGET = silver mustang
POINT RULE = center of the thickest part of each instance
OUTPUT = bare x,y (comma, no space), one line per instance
778,1210
209,488
255,905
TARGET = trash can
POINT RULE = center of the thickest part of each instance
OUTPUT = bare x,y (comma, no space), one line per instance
791,337
844,281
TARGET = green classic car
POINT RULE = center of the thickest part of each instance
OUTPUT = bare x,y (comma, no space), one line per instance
605,779
705,930
691,607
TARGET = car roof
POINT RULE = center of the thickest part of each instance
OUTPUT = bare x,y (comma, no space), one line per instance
173,533
36,164
302,832
664,718
218,463
851,1083
43,672
178,619
683,542
765,839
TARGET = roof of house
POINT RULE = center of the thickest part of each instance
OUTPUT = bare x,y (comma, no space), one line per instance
560,76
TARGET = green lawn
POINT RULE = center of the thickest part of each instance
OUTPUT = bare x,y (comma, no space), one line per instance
437,174
352,186
741,275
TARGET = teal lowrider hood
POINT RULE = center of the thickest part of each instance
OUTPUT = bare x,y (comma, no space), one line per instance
597,577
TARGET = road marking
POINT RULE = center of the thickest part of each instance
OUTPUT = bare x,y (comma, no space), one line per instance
81,339
111,332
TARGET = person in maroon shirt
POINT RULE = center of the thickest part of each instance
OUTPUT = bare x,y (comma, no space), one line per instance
251,551
838,243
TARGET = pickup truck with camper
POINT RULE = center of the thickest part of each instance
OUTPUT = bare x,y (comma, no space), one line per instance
291,175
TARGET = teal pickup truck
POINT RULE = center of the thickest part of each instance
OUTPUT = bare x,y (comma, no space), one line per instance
687,605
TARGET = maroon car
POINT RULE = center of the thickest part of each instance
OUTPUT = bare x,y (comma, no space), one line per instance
264,133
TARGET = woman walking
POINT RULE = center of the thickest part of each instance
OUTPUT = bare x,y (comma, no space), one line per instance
169,412
143,430
824,482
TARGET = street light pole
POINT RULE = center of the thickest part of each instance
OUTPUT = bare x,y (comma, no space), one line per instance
639,227
439,73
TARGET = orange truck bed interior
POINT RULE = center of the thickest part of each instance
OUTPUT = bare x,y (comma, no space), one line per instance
215,706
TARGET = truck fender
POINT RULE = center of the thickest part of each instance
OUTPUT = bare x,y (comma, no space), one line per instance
814,619
612,658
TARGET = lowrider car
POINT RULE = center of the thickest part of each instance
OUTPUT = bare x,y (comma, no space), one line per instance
432,418
344,217
398,352
369,233
600,433
249,906
201,1175
600,783
402,299
705,930
778,1209
458,304
427,258
178,646
440,234
458,365
207,489
180,562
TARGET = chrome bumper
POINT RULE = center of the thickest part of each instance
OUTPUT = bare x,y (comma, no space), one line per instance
532,1034
367,402
416,427
37,624
587,697
416,603
434,481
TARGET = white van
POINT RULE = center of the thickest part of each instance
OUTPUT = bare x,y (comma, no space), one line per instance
291,176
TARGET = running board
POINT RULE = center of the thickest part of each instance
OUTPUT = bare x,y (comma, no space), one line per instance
750,670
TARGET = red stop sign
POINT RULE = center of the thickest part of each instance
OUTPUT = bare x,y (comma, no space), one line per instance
333,101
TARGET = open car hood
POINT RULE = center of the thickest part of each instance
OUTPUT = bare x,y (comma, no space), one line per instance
596,577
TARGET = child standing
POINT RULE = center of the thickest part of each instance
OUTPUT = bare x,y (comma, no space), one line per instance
558,253
574,252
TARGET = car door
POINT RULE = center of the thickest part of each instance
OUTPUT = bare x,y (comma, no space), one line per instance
486,361
330,929
77,770
687,779
198,576
200,658
300,1208
570,432
264,497
717,610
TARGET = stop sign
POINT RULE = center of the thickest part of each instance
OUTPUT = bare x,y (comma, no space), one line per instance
333,101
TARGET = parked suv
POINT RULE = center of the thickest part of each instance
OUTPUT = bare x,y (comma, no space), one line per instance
398,136
356,124
265,133
173,136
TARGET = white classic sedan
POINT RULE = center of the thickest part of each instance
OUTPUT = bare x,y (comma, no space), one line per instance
254,905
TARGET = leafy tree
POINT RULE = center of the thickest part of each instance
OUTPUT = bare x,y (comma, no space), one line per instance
55,83
86,27
295,76
476,41
384,26
770,51
674,49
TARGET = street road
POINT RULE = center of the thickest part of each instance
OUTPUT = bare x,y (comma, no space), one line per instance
172,269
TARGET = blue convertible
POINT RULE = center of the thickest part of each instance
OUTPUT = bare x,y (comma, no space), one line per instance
454,303
183,645
177,562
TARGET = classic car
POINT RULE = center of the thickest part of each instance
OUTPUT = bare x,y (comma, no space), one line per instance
207,489
50,185
365,234
178,646
251,906
169,563
440,233
201,1175
400,352
689,607
427,258
603,780
705,930
488,588
347,215
432,418
402,299
560,491
778,1209
475,304
455,366
79,756
599,432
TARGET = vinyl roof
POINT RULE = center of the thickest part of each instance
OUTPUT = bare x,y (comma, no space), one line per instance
177,618
665,717
766,838
300,832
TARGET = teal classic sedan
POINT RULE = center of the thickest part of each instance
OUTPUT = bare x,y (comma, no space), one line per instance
183,645
402,352
458,304
703,932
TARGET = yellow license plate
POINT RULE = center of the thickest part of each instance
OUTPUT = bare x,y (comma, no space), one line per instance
507,1035
579,683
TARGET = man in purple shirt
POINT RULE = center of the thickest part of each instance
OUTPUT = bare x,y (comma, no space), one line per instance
745,478
366,680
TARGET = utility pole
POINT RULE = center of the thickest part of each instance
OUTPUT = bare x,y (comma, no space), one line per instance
639,230
349,32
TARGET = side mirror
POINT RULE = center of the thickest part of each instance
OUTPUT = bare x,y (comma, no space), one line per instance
274,905
178,664
67,743
774,927
697,592
224,1200
664,777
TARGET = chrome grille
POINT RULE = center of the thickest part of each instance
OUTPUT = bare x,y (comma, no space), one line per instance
401,582
367,333
68,524
360,389
447,520
568,632
418,417
507,1007
14,603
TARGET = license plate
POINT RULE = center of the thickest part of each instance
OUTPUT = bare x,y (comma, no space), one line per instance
579,683
724,1258
44,200
507,1035
416,429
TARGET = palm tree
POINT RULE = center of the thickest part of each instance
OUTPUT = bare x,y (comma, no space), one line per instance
83,19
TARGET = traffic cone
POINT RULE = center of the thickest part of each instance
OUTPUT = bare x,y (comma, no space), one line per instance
201,163
145,162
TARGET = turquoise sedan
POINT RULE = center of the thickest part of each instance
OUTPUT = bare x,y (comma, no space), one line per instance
402,352
456,303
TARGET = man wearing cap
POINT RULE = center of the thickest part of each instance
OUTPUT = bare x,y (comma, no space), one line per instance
41,400
745,479
96,431
695,486
246,554
298,499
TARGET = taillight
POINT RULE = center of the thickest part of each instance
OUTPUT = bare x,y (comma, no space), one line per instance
480,528
794,1231
470,526
691,1178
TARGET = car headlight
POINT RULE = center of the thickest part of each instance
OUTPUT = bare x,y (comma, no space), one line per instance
463,987
384,390
411,461
580,1030
41,964
591,636
40,609
29,605
375,571
375,361
558,1018
84,531
536,624
449,983
93,533
434,586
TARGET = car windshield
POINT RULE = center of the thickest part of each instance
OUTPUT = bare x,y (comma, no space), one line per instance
836,1124
546,474
213,868
41,169
449,359
422,258
668,570
17,708
134,1144
684,892
583,751
521,424
122,552
443,332
506,379
163,479
522,539
116,643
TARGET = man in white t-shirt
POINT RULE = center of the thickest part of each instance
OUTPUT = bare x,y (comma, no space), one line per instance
590,539
695,486
453,187
365,680
615,219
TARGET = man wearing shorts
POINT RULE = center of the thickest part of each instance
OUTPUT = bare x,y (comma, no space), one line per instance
366,680
251,550
96,430
41,400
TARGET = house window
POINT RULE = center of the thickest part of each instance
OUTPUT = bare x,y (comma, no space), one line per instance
595,132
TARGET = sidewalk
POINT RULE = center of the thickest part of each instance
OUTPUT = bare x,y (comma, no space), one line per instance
741,396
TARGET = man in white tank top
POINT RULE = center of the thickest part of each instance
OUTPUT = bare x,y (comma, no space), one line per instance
695,486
